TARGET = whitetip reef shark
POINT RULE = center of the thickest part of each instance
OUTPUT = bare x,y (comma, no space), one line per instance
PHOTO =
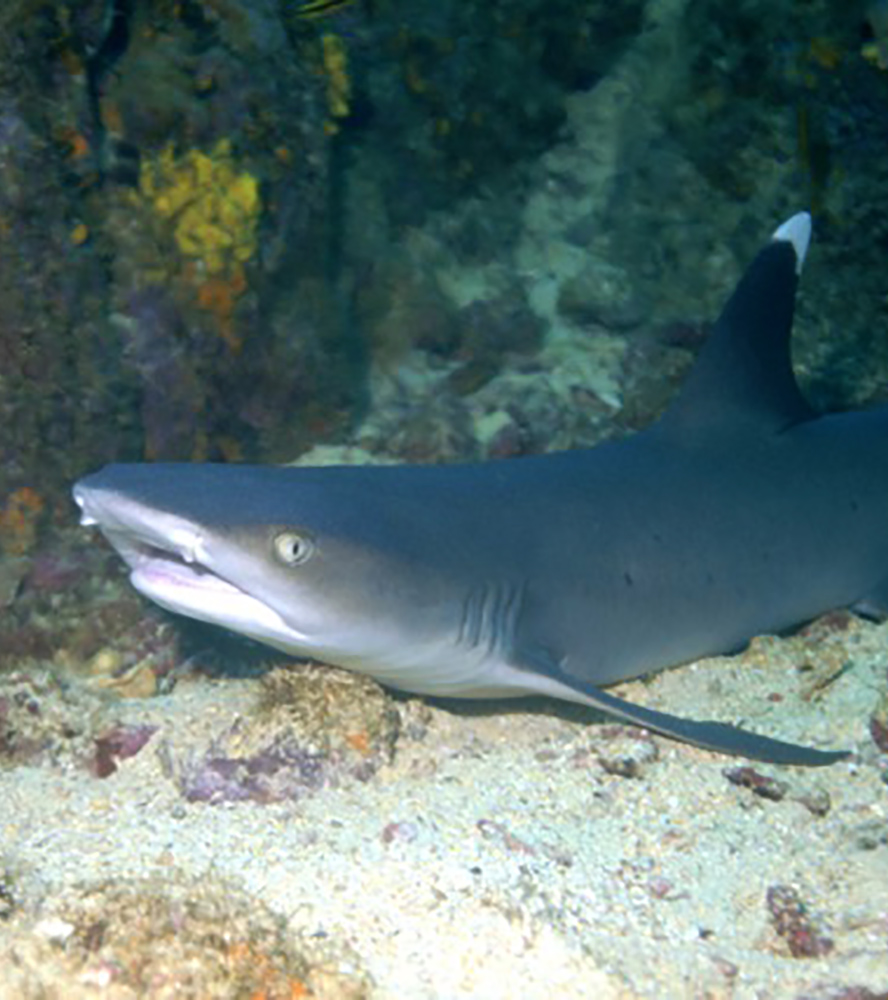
739,512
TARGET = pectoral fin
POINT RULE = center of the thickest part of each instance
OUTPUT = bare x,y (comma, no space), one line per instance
716,736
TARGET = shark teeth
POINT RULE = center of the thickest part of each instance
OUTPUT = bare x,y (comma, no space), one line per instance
186,544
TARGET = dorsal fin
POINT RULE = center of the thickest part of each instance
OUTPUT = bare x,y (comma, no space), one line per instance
743,381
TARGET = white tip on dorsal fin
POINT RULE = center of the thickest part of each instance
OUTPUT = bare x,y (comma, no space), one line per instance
796,230
743,381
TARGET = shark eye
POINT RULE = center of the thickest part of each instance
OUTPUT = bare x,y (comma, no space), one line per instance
292,548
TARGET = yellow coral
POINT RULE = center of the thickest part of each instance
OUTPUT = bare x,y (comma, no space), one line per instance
213,211
212,206
335,59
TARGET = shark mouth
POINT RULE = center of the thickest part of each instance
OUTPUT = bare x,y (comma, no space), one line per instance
168,565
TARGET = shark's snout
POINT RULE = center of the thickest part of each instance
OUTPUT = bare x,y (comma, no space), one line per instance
169,563
135,530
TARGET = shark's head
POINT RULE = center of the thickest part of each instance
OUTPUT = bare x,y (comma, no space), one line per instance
265,552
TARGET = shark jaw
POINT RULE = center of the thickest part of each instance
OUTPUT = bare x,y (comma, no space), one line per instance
168,564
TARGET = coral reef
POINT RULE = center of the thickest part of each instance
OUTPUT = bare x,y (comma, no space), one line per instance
339,88
130,222
18,521
472,88
212,208
159,937
313,728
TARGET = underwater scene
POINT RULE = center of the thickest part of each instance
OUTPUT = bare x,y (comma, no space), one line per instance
444,499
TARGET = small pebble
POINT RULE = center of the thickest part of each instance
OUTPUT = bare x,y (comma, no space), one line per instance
759,784
818,802
628,756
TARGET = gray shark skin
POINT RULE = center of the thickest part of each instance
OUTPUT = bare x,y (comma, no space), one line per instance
739,512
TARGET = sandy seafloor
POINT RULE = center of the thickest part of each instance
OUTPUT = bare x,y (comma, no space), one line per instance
496,856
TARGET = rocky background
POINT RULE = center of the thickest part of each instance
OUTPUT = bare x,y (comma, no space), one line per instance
251,230
226,226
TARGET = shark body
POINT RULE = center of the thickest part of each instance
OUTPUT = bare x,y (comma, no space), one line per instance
739,512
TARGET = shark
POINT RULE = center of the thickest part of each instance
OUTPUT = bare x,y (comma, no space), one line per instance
740,511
